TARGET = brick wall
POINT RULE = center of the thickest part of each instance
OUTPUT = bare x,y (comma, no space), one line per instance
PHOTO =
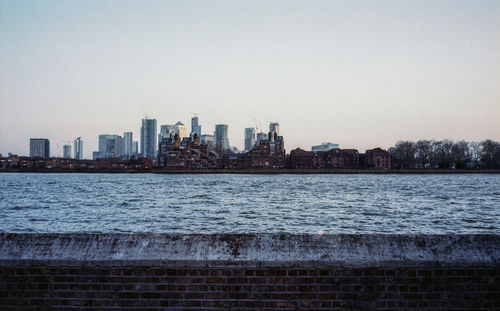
67,283
219,288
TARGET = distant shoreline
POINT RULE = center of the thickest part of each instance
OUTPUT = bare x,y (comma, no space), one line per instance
265,171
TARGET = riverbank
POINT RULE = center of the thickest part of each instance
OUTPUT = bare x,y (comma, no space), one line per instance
249,271
257,171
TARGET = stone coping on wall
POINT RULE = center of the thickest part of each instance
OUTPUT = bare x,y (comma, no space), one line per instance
343,250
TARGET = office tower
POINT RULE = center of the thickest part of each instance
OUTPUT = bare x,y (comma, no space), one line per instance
67,151
135,148
110,146
274,127
78,148
261,137
207,139
165,131
221,137
127,144
195,127
181,130
39,147
249,138
148,138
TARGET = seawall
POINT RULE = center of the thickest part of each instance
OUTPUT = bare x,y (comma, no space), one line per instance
249,272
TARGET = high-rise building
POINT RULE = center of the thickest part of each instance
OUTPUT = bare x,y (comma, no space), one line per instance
78,148
181,130
165,131
207,139
249,138
195,126
274,127
127,144
221,137
148,138
110,146
67,151
135,148
261,137
39,147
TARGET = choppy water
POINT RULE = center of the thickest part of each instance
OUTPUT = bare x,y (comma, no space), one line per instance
249,203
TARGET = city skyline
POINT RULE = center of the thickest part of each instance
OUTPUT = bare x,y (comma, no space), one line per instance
359,74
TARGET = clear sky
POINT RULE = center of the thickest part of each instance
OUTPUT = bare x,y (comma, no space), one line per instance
359,73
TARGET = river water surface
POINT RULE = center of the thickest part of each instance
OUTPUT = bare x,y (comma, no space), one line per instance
249,203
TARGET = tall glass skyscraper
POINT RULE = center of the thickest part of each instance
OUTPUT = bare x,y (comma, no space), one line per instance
127,144
78,148
221,137
249,138
148,138
195,126
274,128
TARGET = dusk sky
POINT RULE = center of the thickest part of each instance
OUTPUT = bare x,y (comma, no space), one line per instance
359,73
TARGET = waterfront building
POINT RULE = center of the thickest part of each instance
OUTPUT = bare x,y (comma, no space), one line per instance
325,147
195,126
148,138
127,144
249,138
78,148
332,159
221,138
186,153
110,146
39,147
377,158
67,151
269,153
274,127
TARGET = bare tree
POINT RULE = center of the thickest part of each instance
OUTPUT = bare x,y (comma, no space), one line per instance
423,149
461,154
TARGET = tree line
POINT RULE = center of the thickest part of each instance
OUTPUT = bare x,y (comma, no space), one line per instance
445,154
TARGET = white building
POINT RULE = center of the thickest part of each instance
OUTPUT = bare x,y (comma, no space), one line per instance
325,147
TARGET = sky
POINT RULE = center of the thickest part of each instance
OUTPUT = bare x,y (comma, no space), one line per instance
362,74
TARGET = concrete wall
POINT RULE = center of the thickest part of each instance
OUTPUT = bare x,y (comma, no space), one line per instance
249,272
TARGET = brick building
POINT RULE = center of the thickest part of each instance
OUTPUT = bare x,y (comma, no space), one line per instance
187,153
377,158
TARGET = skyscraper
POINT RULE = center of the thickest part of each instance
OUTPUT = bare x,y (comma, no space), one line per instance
274,127
78,148
110,146
127,144
148,138
67,151
181,129
135,148
195,127
221,137
249,138
261,137
39,147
